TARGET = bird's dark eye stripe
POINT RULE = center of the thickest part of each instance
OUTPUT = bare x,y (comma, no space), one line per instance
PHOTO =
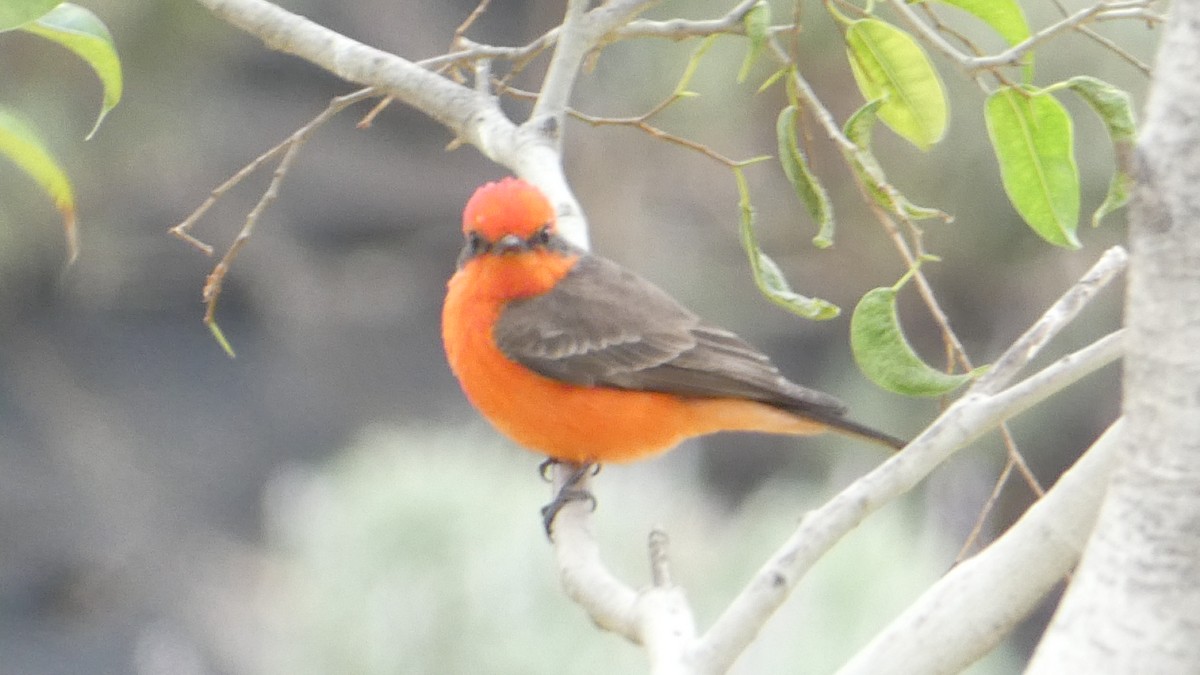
541,237
475,245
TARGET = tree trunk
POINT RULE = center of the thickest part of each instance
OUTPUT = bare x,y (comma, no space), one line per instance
1134,604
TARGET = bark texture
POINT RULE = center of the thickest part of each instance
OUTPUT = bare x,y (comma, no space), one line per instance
1134,605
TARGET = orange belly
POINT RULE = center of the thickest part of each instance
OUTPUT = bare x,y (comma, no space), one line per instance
584,424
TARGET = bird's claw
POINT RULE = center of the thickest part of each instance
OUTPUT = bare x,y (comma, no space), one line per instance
545,467
569,492
564,497
550,462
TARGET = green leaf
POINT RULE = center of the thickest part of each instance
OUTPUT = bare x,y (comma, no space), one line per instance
82,32
1115,110
219,336
775,77
14,13
860,126
767,275
1033,139
20,144
858,130
795,167
888,64
1003,16
884,355
756,22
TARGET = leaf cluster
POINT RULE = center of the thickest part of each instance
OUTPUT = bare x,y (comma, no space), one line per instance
85,35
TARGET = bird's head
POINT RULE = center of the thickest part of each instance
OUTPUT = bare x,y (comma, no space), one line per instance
508,216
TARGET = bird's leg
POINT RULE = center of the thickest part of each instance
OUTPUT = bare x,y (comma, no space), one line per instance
569,492
549,463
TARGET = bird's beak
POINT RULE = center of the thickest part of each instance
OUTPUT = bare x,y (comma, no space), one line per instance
509,243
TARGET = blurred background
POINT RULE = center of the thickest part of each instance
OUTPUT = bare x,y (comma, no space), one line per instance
327,502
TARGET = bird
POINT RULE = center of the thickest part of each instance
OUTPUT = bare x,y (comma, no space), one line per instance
577,358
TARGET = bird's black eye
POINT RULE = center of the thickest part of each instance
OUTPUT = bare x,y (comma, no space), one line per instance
541,237
475,243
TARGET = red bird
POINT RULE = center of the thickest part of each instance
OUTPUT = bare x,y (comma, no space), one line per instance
574,357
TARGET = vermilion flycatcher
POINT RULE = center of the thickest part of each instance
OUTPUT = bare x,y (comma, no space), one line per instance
579,359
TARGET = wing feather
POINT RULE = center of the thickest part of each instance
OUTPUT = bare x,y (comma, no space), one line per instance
602,325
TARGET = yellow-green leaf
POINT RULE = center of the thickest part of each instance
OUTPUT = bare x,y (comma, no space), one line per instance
219,336
14,13
20,144
884,355
767,275
1033,138
887,63
795,167
82,32
1116,111
756,21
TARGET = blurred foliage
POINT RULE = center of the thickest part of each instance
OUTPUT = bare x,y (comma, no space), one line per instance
421,551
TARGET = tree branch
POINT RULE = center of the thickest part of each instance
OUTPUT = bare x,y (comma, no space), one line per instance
467,113
966,613
1060,314
658,617
1101,11
1134,603
965,420
575,40
473,116
679,29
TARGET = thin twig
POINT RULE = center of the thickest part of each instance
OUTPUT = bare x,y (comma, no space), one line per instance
680,29
1101,11
212,287
1105,11
969,544
368,119
299,136
469,21
1117,49
1064,310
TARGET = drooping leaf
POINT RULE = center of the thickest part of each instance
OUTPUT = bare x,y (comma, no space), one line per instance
860,126
767,275
84,33
1033,139
21,145
884,355
14,13
808,188
756,22
888,64
858,130
1003,16
1115,110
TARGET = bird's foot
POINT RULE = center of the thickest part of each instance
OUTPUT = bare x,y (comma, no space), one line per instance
550,462
569,492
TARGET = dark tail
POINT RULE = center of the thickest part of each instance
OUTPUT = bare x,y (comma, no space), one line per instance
852,428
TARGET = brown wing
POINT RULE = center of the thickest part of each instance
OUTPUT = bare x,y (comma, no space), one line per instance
603,325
